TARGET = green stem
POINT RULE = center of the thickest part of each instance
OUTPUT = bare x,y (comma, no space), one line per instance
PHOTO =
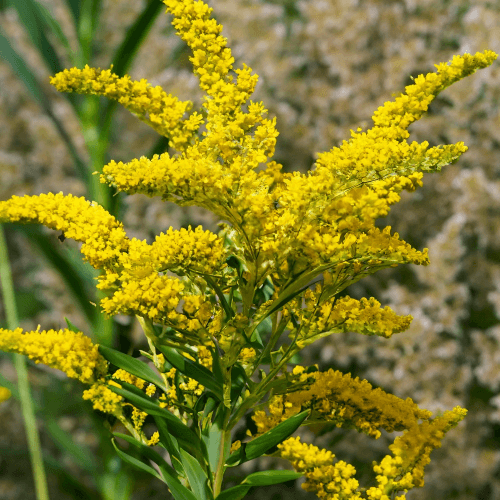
97,145
42,492
224,442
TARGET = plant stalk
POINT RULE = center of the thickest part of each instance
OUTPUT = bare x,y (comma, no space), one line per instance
27,408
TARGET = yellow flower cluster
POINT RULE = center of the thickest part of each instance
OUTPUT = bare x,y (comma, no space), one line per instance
103,237
160,110
133,269
410,107
218,172
4,394
381,150
73,353
405,469
327,480
125,376
104,399
321,317
347,402
400,472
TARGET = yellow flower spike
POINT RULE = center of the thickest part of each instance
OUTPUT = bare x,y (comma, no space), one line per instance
103,237
153,105
324,478
405,469
349,403
155,439
4,394
124,376
73,353
365,316
104,399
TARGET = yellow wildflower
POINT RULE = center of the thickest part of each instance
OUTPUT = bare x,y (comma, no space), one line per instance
155,439
102,235
73,353
327,480
103,398
4,394
125,376
160,110
349,403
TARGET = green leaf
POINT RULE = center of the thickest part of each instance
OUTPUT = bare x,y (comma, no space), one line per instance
212,436
181,431
169,442
264,443
135,36
132,365
138,464
178,490
128,49
56,30
33,20
216,365
268,477
238,382
79,280
234,493
22,70
197,477
275,436
74,7
71,326
192,369
150,453
78,451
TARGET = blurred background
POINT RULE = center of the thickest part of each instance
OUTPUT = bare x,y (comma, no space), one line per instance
324,67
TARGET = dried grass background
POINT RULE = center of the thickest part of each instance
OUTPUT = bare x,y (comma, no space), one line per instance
324,66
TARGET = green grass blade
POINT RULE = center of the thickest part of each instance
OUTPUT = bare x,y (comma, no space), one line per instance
128,49
27,406
24,73
74,7
55,28
135,36
79,452
132,365
88,19
77,282
33,21
8,54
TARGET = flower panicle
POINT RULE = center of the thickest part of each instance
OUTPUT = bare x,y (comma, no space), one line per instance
349,403
73,353
163,112
103,237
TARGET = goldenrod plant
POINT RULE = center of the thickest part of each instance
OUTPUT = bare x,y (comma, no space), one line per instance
225,315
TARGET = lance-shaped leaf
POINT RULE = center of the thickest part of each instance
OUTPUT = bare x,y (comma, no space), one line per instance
34,22
132,365
268,477
178,490
234,493
267,441
168,441
180,430
197,477
148,452
264,478
138,464
192,369
212,436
